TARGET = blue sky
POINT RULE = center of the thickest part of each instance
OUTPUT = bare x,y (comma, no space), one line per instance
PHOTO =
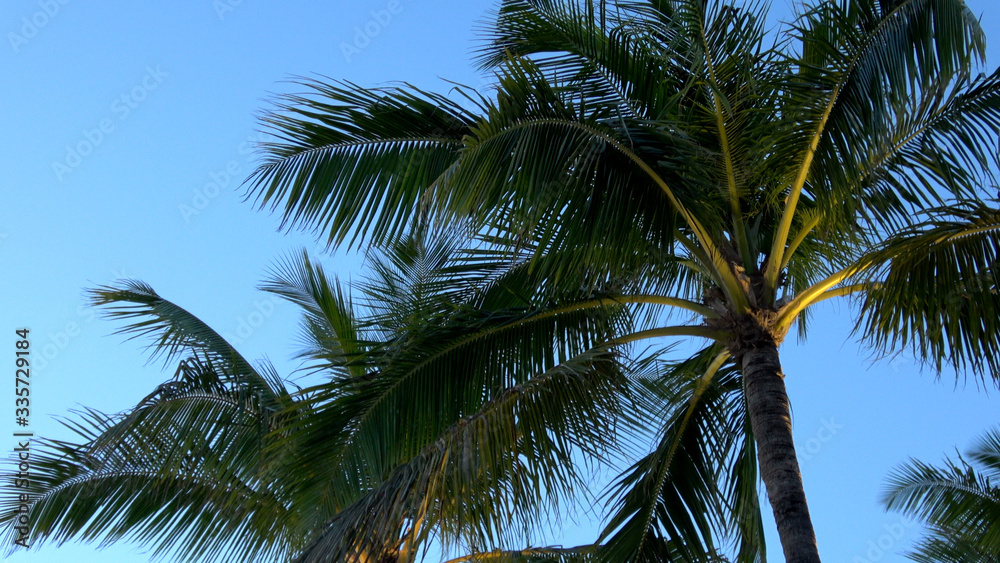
127,133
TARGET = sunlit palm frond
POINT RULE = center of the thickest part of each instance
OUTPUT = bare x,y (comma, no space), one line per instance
936,290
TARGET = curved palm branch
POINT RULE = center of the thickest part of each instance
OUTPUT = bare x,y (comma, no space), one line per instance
479,483
183,471
331,335
936,289
959,502
177,334
373,152
673,504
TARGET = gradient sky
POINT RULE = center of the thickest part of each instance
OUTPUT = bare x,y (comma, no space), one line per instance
167,94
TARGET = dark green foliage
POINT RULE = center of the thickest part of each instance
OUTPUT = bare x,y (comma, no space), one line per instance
959,503
660,168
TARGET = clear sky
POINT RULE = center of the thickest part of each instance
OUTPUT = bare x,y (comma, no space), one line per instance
126,133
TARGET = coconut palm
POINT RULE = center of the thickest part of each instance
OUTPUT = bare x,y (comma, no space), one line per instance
184,471
959,502
644,171
424,424
674,155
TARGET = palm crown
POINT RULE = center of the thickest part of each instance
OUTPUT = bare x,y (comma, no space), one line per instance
677,152
644,170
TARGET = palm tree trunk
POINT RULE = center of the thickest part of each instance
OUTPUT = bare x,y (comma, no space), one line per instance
770,417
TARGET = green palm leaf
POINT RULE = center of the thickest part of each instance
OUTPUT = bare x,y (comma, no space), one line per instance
669,505
937,290
176,333
331,335
959,502
479,482
365,426
182,472
343,148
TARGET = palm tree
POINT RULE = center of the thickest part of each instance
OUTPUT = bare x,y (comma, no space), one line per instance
184,471
644,171
960,504
223,462
424,424
673,155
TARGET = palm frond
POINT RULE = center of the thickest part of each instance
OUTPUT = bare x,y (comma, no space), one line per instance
936,290
959,503
331,335
873,59
348,162
668,506
424,382
480,482
175,333
182,472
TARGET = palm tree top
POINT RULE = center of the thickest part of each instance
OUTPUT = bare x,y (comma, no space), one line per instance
644,170
773,164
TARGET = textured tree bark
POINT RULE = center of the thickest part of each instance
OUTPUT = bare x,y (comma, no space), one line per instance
770,417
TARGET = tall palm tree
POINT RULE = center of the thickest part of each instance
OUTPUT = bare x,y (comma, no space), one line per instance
424,424
959,503
689,160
